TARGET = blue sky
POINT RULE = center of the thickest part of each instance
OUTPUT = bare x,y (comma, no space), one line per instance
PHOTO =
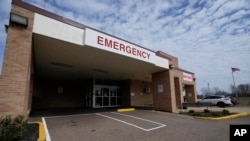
208,36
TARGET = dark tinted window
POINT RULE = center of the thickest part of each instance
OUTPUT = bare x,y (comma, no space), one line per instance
212,97
208,97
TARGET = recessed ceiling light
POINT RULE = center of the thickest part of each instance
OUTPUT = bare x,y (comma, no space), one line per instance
99,70
61,64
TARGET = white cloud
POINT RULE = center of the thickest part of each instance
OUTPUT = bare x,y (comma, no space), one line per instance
209,37
4,10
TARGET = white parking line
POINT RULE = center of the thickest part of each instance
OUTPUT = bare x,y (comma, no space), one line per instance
161,125
46,130
69,115
150,129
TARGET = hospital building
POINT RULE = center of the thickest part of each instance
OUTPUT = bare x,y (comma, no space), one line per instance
54,62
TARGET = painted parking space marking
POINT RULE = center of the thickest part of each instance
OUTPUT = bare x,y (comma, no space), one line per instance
47,135
159,125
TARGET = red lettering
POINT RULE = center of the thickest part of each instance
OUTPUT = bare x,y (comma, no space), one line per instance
148,54
108,43
133,51
128,49
139,53
115,45
99,40
144,54
187,77
122,47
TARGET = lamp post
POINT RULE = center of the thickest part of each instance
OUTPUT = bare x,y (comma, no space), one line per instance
208,88
234,70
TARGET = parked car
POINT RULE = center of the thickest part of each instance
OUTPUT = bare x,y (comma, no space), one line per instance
233,100
220,101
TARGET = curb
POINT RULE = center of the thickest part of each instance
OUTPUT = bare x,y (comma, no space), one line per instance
41,136
211,118
125,110
225,117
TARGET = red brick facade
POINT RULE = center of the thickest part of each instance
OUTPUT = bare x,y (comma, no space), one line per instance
171,97
15,77
141,93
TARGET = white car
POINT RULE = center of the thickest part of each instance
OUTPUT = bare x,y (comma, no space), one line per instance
220,101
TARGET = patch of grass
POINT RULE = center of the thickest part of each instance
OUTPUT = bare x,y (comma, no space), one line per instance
226,112
208,113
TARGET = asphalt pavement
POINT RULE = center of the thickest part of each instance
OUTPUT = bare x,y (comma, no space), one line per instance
139,125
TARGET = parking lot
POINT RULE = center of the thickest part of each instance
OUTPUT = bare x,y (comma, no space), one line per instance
138,125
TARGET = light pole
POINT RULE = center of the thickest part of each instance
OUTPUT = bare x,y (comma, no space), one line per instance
234,70
208,88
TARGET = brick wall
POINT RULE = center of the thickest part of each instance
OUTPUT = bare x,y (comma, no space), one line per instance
190,93
141,97
15,77
178,91
163,100
172,81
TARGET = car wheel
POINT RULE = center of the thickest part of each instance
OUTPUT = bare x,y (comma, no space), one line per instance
221,104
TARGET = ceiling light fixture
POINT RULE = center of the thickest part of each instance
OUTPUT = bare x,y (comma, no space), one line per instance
99,70
61,65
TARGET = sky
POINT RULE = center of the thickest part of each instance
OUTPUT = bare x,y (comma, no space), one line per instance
208,36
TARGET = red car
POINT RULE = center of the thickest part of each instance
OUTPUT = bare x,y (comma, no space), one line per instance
233,100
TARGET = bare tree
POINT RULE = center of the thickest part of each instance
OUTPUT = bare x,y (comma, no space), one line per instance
247,88
204,91
216,90
212,91
243,88
233,89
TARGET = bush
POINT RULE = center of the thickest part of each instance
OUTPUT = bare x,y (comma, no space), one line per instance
191,111
197,114
216,114
206,111
226,112
12,128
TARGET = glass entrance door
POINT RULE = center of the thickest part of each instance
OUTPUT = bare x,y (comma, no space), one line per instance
106,96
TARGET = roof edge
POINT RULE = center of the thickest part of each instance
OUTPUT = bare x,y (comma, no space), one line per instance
164,55
179,69
47,13
65,20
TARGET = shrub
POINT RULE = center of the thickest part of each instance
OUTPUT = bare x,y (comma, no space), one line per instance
197,114
12,128
206,111
226,112
191,111
215,114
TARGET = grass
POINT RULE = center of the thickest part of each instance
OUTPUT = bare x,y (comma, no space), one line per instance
208,113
